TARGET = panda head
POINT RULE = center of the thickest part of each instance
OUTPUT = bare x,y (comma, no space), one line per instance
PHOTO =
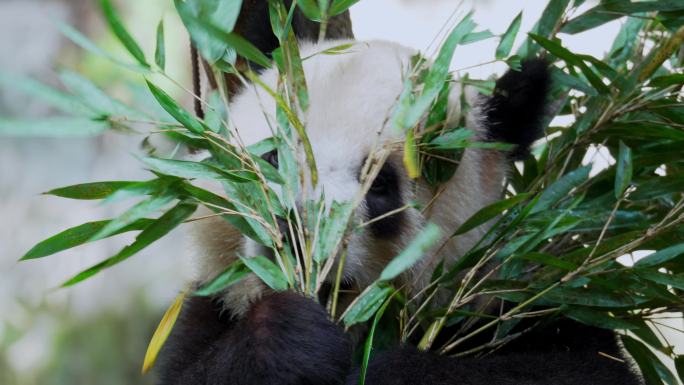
352,97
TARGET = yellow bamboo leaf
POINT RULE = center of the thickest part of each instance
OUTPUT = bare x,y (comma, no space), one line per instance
162,332
411,159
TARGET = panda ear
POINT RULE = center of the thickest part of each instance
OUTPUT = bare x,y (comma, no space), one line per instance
514,113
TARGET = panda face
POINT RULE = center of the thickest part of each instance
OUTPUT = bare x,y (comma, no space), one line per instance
352,97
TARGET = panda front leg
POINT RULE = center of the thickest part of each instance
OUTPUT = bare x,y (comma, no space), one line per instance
284,338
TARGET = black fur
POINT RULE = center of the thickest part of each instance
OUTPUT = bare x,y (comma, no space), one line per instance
514,113
288,339
562,353
285,339
383,197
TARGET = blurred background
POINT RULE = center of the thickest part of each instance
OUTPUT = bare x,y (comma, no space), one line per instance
97,331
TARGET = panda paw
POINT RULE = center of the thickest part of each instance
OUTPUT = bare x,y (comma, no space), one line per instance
284,338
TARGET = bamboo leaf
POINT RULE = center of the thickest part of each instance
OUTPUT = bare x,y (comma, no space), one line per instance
411,107
96,99
661,257
610,10
198,170
597,318
206,23
62,101
366,304
121,33
174,109
474,37
160,50
77,236
508,38
561,188
415,250
133,214
82,41
157,229
548,260
339,6
85,191
490,212
623,173
556,49
55,127
268,271
411,157
233,274
162,332
368,346
679,365
652,369
310,9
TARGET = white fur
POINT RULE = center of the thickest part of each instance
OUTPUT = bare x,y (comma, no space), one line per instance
351,97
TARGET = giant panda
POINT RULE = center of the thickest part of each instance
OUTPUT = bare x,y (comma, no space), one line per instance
250,335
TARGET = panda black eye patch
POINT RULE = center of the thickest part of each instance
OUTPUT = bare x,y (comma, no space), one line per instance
384,196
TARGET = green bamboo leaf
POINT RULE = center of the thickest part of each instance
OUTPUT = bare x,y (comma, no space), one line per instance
679,365
623,173
62,101
332,230
411,107
211,35
654,371
160,51
174,109
561,188
85,191
366,304
474,37
220,13
54,127
597,318
216,203
508,38
574,82
611,10
453,140
546,26
195,170
415,250
157,229
490,212
368,346
268,271
82,41
674,280
93,97
661,257
133,214
310,9
339,6
77,236
548,260
572,59
121,33
233,274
